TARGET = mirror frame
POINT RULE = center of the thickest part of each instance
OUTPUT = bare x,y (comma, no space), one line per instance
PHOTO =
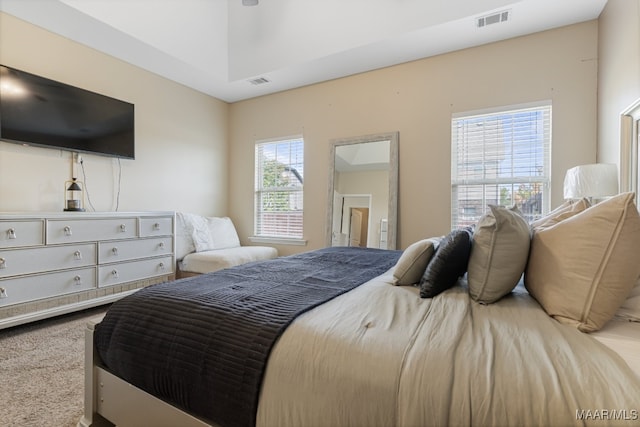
392,207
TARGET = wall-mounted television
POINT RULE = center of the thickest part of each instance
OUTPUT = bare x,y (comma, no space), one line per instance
38,111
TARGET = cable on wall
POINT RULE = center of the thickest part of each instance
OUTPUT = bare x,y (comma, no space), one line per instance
119,184
86,187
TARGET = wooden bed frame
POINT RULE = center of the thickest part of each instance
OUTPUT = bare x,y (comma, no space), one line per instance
109,400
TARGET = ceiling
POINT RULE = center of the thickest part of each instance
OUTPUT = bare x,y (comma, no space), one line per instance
367,156
219,46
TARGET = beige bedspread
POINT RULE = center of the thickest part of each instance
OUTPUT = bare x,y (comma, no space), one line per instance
382,356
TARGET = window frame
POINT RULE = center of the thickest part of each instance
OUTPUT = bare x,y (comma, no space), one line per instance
259,235
459,179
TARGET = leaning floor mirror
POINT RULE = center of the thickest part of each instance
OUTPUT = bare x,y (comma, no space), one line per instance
363,191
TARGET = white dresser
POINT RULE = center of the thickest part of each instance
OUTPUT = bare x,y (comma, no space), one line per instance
57,263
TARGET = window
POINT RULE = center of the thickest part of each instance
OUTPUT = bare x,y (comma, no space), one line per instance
500,158
279,177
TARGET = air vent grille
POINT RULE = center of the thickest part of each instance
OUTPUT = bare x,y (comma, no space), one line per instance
259,81
494,18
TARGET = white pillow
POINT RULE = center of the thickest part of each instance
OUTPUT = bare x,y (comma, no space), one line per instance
215,233
498,255
413,261
200,233
184,234
223,233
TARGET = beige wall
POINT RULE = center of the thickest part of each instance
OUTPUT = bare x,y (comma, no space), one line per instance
181,135
618,72
417,99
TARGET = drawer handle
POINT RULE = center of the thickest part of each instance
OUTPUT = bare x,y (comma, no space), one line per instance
114,250
156,226
123,228
11,233
115,274
77,256
67,230
77,280
3,293
161,266
3,263
161,245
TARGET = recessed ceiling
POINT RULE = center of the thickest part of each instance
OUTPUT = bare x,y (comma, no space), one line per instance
222,48
370,156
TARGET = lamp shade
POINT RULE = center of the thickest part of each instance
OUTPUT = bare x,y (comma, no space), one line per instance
593,181
74,187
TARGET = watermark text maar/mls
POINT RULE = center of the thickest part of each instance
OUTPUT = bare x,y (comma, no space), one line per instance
608,414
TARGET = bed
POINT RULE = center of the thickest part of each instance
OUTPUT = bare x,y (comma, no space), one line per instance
399,359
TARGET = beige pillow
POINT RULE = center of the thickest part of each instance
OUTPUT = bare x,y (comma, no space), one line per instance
562,212
582,269
413,261
498,255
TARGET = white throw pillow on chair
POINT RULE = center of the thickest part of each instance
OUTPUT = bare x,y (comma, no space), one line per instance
215,233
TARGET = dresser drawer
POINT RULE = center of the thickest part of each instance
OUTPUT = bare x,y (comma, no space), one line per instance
39,286
156,226
126,250
114,274
34,260
85,230
21,233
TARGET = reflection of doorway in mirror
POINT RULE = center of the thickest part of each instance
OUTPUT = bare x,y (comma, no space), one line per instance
360,188
359,227
344,204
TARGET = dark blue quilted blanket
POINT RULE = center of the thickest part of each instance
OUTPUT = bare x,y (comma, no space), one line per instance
203,343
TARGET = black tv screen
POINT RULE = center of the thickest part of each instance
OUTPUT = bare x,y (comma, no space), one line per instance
38,111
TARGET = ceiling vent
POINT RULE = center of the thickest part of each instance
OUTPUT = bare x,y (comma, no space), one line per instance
494,18
258,81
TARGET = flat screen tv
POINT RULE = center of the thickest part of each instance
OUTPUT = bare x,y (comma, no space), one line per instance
38,111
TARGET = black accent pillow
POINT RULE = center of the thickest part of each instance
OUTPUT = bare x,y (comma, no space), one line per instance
448,263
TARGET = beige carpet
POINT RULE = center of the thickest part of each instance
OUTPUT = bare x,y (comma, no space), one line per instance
42,371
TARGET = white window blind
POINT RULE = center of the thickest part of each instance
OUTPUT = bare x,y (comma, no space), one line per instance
500,158
279,175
